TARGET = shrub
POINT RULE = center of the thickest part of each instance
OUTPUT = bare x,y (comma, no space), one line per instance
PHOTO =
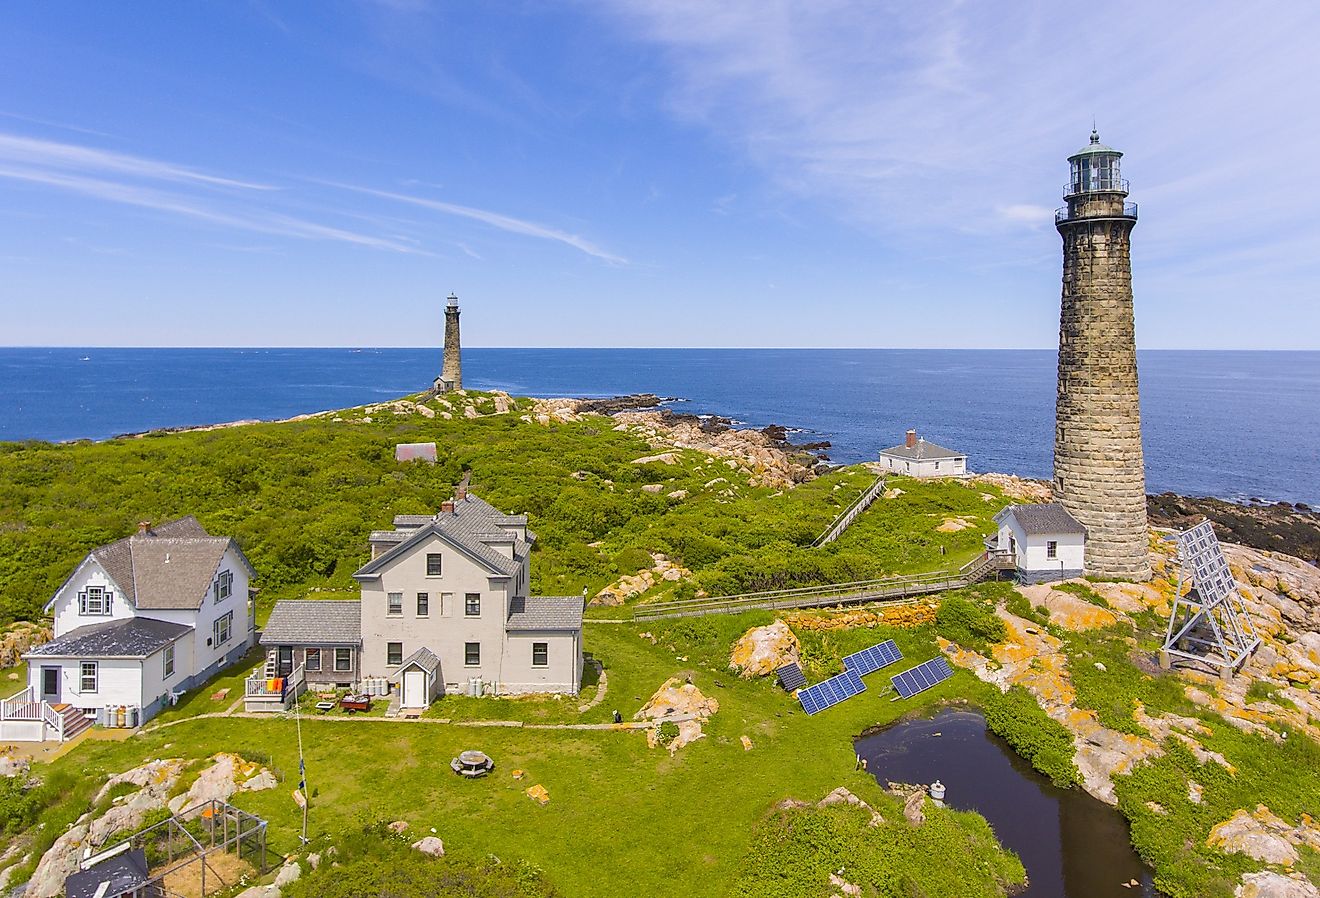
969,623
1015,717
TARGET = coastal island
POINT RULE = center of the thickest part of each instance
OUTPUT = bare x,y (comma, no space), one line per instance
679,729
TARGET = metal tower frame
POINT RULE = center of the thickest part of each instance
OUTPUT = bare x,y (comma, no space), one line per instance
1209,622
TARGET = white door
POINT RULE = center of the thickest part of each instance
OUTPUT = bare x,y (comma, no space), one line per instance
414,689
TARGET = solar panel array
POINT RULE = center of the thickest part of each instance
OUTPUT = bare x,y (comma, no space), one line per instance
922,677
828,693
870,660
791,677
1210,573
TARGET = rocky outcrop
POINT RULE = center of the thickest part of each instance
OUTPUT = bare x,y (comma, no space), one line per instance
916,614
1019,489
1067,610
1273,527
681,704
430,845
1268,884
763,650
630,586
228,774
1264,836
16,639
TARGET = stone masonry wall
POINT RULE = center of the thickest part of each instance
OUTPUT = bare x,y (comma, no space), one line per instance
1099,472
452,372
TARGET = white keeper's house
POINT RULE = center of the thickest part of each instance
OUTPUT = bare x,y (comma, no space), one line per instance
139,621
1045,541
916,457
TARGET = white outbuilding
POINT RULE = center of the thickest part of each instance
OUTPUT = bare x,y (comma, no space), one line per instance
1046,542
918,458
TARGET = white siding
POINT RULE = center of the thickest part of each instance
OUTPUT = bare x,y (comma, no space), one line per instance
206,657
942,467
1033,549
563,673
65,606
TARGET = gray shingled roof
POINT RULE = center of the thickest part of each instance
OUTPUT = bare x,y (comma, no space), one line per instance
137,637
171,566
424,658
124,872
314,622
470,527
1040,519
545,613
923,451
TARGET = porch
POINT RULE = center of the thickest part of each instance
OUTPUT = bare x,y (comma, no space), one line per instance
266,690
25,717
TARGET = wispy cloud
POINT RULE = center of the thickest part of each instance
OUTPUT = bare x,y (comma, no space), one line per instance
50,154
496,220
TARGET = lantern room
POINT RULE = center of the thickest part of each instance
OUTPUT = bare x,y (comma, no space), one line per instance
1095,169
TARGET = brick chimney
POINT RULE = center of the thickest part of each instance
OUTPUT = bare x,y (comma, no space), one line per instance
144,528
912,439
460,493
447,507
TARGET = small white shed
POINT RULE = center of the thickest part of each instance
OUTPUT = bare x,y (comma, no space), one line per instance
1046,542
418,679
918,458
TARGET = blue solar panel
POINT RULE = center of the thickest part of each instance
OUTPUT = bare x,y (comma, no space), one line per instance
791,677
870,660
828,693
922,677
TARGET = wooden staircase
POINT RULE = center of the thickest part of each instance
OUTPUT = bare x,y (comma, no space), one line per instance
849,514
75,721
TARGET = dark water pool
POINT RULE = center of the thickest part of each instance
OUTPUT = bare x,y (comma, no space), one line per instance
1072,845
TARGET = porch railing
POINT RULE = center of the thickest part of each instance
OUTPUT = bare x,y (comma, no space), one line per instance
258,685
21,706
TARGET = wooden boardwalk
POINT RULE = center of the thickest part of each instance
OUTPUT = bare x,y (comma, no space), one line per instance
888,589
849,514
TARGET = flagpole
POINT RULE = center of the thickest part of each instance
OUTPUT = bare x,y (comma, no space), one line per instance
302,767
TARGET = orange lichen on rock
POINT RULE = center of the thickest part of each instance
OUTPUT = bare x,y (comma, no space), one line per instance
1067,610
916,614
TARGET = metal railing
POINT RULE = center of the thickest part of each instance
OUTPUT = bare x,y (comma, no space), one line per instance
895,588
849,514
1096,185
1062,214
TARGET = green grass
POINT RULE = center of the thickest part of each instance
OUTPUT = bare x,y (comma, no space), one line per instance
198,699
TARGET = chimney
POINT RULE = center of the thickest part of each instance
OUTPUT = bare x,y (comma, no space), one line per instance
144,528
460,493
447,507
912,439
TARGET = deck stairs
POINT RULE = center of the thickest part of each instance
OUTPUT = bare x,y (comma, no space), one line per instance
75,721
850,514
889,589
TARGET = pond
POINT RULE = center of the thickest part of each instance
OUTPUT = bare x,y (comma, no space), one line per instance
1072,845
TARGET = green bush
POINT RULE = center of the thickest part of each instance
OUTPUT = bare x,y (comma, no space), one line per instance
1015,717
630,561
969,622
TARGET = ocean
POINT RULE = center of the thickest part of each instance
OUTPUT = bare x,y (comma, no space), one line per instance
1237,425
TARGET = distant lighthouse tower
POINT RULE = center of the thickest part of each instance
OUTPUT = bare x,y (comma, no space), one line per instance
1099,473
451,374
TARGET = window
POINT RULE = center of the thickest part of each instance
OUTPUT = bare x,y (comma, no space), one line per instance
1052,549
937,466
540,654
224,586
394,653
343,659
169,661
423,604
471,653
94,601
433,564
87,677
472,604
312,659
395,604
222,627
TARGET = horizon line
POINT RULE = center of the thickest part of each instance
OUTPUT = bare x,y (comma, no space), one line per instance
438,348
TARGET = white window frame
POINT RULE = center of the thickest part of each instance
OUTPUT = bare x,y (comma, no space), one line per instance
472,600
102,607
83,676
389,654
544,649
167,663
439,563
394,604
348,660
307,655
467,654
224,622
1052,548
224,586
423,604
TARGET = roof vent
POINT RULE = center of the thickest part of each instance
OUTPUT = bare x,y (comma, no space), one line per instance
144,528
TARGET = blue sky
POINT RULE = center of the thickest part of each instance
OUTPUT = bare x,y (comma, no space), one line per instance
645,172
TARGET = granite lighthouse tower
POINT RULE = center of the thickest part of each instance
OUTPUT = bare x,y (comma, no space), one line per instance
1099,473
451,373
